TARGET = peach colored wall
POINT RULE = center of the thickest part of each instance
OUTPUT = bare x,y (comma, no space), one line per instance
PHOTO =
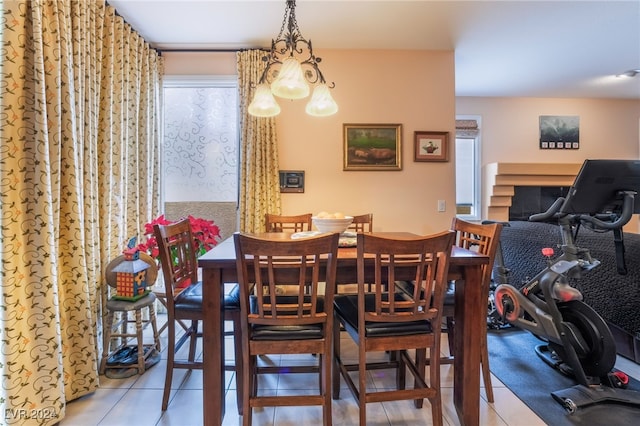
609,128
412,88
415,89
510,130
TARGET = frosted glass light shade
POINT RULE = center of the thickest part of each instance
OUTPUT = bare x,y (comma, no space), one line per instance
263,103
290,83
321,103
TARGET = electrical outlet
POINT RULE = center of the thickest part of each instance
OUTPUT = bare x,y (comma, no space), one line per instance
441,206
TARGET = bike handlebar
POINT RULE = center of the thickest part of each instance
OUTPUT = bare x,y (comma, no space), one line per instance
616,221
550,213
622,218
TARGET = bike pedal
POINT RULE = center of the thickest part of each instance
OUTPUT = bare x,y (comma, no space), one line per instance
619,379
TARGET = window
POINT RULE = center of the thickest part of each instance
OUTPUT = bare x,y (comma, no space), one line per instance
468,178
199,155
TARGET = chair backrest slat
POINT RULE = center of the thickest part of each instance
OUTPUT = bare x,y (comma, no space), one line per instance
362,223
425,260
283,223
483,238
178,256
264,264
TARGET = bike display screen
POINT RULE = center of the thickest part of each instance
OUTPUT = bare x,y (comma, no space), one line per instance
597,187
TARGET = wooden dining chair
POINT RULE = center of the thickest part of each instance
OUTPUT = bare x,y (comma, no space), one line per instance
300,323
161,297
482,238
362,223
386,320
184,303
282,223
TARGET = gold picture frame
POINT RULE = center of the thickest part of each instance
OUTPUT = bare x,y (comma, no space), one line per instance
431,146
372,146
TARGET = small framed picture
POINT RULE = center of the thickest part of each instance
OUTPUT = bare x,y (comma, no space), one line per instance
431,146
559,132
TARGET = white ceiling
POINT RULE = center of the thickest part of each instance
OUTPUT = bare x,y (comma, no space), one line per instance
528,48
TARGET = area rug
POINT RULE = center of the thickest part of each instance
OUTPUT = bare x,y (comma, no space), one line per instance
514,362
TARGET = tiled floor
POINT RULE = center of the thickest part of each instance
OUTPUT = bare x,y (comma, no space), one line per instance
136,400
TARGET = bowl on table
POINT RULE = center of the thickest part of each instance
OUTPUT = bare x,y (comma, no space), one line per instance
332,224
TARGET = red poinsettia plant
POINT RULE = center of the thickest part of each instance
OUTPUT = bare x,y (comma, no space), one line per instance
206,235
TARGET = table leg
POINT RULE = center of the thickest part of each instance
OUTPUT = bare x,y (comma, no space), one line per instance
470,316
213,347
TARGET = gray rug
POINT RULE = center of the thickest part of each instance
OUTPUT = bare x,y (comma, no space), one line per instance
514,362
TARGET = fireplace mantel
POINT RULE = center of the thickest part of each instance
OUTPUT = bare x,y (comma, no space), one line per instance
501,178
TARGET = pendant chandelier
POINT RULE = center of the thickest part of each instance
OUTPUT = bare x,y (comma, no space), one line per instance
291,67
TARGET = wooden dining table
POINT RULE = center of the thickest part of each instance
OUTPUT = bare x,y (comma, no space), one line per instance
219,267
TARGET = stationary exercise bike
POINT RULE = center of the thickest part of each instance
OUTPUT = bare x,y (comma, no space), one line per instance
578,340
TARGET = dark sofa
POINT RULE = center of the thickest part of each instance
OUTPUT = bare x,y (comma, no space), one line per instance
615,297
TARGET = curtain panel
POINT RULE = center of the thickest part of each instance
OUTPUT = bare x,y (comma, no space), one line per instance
259,170
79,128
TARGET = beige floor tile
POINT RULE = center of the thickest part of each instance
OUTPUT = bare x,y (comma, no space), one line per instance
137,399
295,416
185,408
107,383
512,410
129,407
90,409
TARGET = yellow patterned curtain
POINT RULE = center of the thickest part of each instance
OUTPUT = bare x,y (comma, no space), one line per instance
259,178
79,122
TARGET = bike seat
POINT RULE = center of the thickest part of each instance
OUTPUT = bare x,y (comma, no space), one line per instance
565,293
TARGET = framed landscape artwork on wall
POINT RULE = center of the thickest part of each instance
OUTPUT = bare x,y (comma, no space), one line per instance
372,146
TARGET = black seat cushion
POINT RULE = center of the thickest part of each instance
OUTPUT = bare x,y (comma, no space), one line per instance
232,299
190,299
449,295
346,307
289,332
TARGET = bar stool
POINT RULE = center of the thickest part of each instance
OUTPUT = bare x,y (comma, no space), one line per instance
120,329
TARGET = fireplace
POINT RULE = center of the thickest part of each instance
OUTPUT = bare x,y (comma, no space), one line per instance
529,200
501,180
